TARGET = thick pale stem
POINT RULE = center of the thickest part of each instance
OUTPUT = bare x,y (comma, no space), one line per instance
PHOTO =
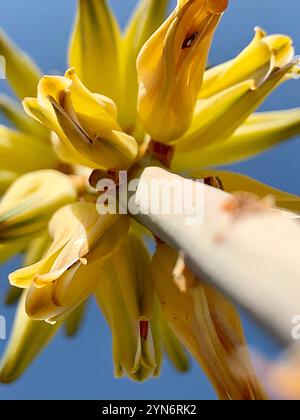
242,246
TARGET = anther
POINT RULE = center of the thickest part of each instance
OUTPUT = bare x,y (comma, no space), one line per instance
188,42
144,327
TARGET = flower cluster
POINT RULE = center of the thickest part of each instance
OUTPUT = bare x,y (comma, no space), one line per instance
130,99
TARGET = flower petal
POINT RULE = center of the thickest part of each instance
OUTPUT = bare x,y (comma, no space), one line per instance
208,326
257,61
32,254
259,133
235,182
75,320
15,114
27,340
28,204
171,66
9,250
85,123
6,178
147,17
174,349
94,49
21,72
217,118
63,290
38,155
125,295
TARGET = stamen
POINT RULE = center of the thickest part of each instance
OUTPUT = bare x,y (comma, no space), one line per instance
71,266
144,327
188,42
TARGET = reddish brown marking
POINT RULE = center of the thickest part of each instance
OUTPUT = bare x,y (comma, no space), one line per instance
158,241
214,181
246,203
162,152
189,41
113,174
144,328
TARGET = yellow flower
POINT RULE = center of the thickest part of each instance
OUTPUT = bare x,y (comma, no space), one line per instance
12,146
148,16
127,99
230,93
94,49
24,136
13,112
6,178
208,326
126,297
23,76
22,73
8,250
74,320
27,340
68,273
174,349
235,183
32,253
28,204
30,337
257,61
258,133
86,123
171,66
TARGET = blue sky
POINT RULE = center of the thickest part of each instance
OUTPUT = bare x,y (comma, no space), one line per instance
81,368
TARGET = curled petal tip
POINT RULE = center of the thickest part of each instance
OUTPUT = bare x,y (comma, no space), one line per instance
217,6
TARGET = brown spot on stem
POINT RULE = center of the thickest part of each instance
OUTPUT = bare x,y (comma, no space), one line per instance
245,203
